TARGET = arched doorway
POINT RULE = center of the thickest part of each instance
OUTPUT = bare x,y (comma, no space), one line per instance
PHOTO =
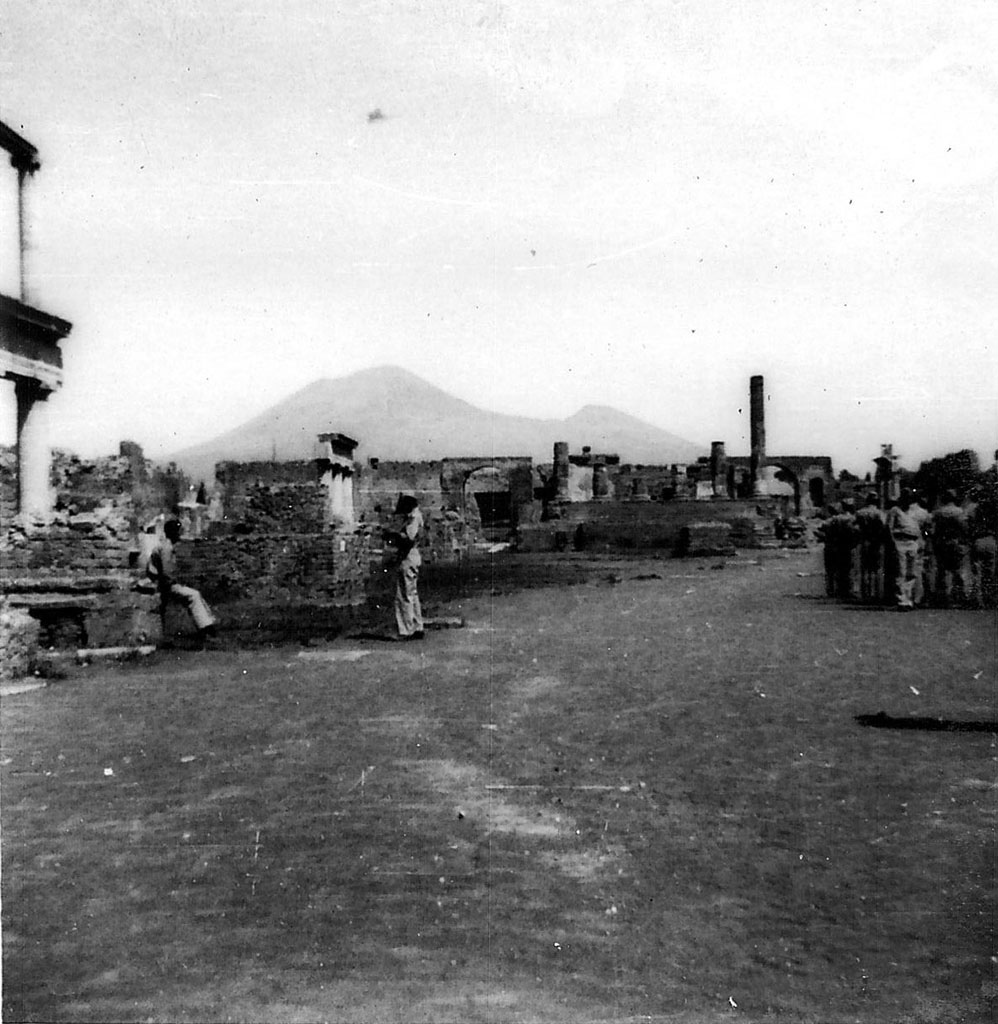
816,492
790,488
488,488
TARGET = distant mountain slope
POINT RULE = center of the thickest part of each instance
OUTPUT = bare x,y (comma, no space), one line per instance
396,415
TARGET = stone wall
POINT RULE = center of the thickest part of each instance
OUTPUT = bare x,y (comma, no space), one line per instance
600,525
88,544
75,574
333,567
652,483
450,531
82,485
378,485
8,484
272,497
75,571
19,635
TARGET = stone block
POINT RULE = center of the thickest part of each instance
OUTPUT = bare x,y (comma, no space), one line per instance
18,642
705,538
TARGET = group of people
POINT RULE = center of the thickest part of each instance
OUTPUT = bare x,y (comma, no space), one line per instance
911,557
161,573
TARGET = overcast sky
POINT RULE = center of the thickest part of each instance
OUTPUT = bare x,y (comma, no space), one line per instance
535,205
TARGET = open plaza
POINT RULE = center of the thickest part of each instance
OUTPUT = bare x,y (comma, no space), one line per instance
613,788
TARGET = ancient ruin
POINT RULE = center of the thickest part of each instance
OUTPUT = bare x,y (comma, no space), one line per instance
310,532
29,348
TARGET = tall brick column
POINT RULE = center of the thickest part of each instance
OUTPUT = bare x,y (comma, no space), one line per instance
757,427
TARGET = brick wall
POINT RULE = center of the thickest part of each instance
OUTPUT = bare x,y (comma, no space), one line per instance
74,575
8,484
449,533
333,568
376,489
83,485
272,497
86,544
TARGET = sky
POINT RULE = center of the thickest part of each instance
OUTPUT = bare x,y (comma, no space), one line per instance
533,204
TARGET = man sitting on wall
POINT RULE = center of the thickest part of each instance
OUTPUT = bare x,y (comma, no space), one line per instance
161,568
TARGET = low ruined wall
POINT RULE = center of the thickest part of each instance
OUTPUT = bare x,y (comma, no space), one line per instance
80,486
94,543
656,525
129,480
74,575
657,482
333,568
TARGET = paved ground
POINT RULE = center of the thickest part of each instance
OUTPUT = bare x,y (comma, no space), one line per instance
667,791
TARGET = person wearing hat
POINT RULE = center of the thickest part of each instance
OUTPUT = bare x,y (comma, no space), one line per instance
872,535
408,613
161,568
951,545
846,534
906,537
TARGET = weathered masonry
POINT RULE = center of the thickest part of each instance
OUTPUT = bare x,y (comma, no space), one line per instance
593,500
29,347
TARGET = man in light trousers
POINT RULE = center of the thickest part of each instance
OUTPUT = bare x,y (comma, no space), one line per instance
408,613
162,570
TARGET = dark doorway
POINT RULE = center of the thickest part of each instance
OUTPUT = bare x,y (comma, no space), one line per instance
494,507
816,491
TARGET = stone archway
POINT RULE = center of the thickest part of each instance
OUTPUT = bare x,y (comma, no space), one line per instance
488,488
790,486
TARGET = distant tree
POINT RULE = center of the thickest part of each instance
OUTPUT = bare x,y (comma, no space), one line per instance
845,477
956,471
202,496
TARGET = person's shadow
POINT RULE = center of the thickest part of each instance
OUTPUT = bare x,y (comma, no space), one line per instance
881,720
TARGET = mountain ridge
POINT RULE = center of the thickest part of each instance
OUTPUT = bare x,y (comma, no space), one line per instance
398,416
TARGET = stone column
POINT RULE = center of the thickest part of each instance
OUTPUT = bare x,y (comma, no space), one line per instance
757,427
34,456
25,163
22,230
601,482
339,481
561,471
348,498
719,469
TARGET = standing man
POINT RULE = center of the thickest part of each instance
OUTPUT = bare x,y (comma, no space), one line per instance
983,526
847,541
162,570
905,534
827,533
951,547
918,512
408,613
870,522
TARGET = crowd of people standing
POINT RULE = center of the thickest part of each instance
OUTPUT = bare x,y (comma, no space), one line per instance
911,557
